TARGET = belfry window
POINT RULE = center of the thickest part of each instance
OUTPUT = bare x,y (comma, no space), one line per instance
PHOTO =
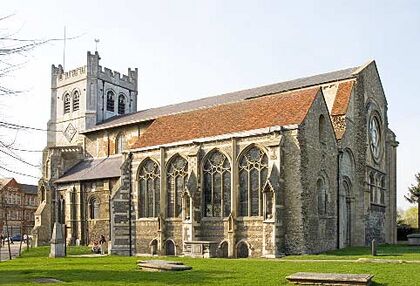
93,208
176,180
217,185
252,176
110,101
76,100
67,101
121,104
149,189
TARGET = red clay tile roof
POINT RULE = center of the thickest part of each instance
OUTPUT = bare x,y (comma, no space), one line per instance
274,110
342,98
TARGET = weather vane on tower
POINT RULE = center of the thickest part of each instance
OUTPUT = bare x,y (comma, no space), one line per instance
96,44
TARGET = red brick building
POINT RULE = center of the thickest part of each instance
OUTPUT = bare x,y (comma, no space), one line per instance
18,203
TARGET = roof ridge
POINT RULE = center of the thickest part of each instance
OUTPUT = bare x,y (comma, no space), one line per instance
195,104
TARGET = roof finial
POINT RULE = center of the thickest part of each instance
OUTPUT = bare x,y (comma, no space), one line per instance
96,44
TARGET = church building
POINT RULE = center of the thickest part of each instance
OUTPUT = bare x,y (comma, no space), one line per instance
302,166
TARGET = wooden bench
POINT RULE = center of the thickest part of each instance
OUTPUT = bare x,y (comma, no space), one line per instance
310,278
162,265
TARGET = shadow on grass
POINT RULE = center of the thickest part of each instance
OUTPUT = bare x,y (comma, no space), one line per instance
113,277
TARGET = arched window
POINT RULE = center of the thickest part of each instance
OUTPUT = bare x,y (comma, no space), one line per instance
67,101
252,176
217,185
321,129
110,100
176,180
323,199
121,104
93,208
119,143
382,200
372,187
76,96
149,189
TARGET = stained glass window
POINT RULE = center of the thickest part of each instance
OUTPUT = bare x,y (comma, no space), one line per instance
176,180
217,185
149,189
252,176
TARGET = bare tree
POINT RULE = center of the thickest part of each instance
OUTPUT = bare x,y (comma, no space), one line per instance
413,196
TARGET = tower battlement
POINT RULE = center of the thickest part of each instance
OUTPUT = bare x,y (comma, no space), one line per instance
130,77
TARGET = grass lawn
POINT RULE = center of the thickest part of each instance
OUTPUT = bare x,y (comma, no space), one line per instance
115,270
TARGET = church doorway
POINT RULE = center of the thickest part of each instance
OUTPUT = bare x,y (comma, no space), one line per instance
170,247
153,247
223,251
242,250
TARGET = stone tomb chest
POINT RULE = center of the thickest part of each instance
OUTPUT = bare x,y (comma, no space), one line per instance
203,249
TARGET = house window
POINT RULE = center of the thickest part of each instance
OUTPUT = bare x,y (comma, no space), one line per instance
252,176
217,185
93,208
176,180
121,104
76,100
67,101
149,189
110,101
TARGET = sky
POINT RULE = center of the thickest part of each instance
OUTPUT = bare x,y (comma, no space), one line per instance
186,50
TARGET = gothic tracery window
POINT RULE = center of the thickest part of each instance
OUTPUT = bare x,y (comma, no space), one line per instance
110,101
149,189
121,104
252,176
67,101
176,181
76,98
217,185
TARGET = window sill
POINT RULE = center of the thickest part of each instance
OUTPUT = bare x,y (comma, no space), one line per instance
250,218
147,219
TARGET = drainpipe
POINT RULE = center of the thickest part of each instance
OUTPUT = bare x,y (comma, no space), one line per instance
129,157
338,197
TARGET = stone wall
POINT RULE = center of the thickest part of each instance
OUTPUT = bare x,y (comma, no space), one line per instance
318,162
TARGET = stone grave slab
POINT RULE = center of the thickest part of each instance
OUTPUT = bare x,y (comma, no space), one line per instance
162,265
310,278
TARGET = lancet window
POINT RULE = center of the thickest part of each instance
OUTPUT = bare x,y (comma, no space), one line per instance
67,101
76,100
110,100
121,104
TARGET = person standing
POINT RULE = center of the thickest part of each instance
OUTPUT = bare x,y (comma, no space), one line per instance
102,242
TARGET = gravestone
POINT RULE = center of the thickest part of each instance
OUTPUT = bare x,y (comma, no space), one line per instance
162,265
414,239
58,246
310,278
374,247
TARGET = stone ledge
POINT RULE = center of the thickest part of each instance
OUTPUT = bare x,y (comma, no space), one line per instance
309,278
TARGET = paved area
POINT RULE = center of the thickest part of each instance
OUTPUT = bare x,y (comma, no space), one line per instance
4,251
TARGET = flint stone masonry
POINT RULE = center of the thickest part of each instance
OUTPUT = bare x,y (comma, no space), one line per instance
309,278
308,193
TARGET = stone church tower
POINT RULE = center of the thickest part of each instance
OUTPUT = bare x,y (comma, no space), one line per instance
81,98
86,96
